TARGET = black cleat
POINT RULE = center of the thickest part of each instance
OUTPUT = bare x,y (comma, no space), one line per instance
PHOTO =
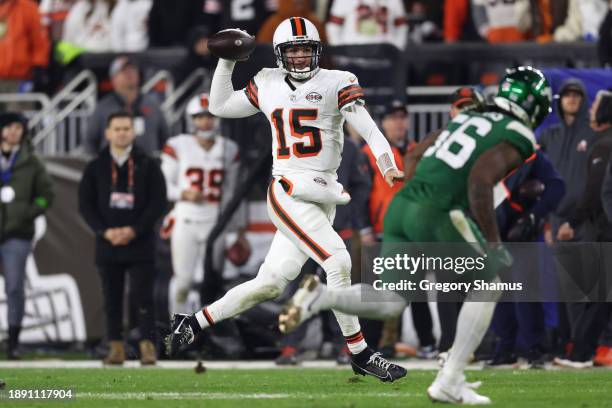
378,367
181,334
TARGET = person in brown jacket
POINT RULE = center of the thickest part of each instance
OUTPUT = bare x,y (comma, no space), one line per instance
24,45
286,9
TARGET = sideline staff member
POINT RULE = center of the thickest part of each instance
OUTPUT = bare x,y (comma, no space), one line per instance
25,193
121,196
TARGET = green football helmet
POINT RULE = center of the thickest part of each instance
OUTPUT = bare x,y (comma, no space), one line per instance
525,93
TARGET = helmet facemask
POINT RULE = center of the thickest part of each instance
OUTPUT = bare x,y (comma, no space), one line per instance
288,65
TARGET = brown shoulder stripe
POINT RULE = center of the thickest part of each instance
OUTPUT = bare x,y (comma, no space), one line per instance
252,93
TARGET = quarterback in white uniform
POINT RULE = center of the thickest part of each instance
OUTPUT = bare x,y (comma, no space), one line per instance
306,107
197,168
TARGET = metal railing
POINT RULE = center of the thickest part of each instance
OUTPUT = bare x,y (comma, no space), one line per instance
425,118
159,76
174,105
63,105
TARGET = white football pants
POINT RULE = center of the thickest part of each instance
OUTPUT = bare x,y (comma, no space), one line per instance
304,231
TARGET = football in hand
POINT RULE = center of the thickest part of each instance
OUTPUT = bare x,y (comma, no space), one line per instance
232,44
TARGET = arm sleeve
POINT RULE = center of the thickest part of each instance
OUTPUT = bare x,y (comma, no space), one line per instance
87,201
170,169
227,103
359,118
156,200
554,186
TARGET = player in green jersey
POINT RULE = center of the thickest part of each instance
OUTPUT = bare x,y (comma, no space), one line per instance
456,174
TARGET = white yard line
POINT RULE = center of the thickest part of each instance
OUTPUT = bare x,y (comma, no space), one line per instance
225,396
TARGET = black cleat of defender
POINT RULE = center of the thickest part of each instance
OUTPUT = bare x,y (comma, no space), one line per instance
181,334
378,367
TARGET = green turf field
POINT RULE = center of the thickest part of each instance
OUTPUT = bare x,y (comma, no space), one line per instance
114,387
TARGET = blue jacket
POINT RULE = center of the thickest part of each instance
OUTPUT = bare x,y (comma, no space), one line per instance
539,168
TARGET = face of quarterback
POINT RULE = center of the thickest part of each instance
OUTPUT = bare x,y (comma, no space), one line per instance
395,127
12,134
299,57
120,133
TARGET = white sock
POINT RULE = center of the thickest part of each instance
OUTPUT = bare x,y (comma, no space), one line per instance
356,343
204,318
472,324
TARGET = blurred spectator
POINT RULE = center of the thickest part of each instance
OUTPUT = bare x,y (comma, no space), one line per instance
197,56
24,47
25,193
497,21
248,15
520,326
540,19
129,25
589,319
582,22
121,196
605,40
367,22
149,123
54,13
567,145
459,22
88,25
287,9
424,21
171,22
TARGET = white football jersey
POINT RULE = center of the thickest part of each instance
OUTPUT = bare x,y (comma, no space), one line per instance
368,22
305,119
186,164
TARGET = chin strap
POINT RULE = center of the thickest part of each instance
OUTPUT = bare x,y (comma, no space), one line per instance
205,134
